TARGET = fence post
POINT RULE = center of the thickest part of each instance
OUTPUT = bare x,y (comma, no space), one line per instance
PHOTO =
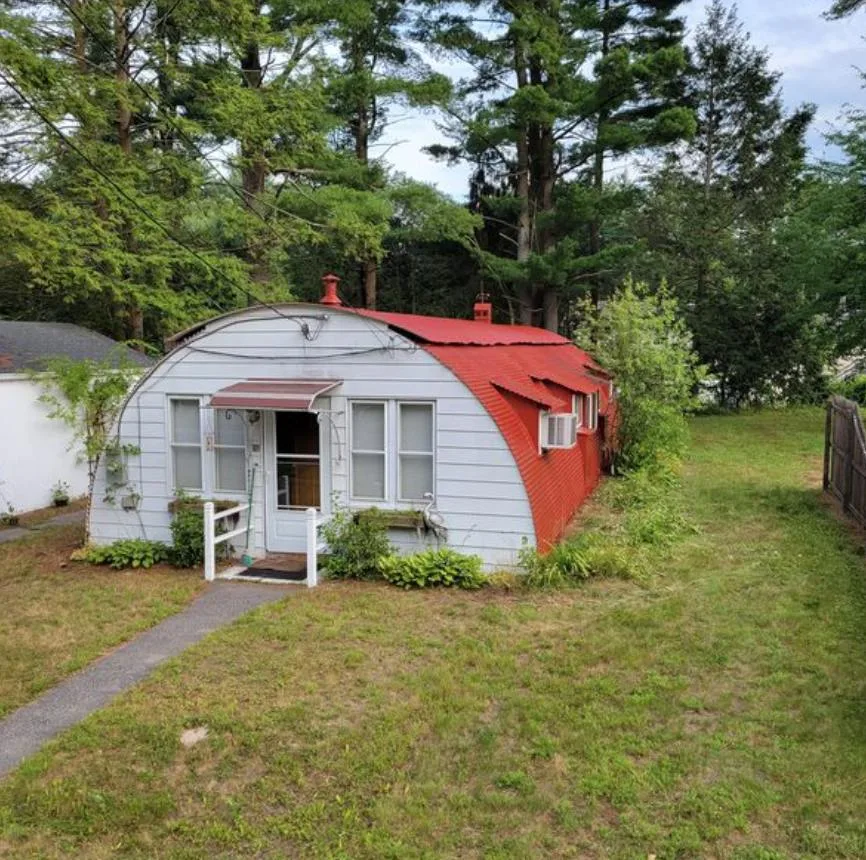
828,433
312,548
849,461
209,546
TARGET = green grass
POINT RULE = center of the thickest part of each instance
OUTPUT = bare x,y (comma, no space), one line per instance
713,710
57,616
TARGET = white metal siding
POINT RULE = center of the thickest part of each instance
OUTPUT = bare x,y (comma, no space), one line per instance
478,487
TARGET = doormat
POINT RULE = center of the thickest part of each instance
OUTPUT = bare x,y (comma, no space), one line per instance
270,573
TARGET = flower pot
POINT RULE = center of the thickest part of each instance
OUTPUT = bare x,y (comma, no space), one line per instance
61,502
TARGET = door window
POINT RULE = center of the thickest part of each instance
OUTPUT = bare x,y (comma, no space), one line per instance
297,449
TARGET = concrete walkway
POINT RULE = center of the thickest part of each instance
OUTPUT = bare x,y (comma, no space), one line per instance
24,731
59,520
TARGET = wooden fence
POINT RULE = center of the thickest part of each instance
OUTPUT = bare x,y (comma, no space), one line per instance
845,457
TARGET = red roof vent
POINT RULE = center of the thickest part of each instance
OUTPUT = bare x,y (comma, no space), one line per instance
483,309
330,282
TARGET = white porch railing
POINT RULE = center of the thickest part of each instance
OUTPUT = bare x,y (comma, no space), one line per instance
315,545
211,538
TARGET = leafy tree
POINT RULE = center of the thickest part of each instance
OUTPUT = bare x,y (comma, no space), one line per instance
640,338
87,397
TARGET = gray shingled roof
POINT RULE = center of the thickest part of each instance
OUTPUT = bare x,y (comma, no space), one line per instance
27,345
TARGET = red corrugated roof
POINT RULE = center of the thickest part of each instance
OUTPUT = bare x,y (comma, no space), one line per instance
466,332
497,362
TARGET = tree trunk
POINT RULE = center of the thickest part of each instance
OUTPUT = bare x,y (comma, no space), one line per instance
362,127
369,274
598,162
526,297
123,123
121,76
254,168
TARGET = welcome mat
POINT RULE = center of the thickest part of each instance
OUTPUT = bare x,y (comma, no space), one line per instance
272,573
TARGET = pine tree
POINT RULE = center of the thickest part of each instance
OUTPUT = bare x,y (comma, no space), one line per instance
557,87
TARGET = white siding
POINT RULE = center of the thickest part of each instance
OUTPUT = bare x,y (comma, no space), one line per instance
478,486
36,451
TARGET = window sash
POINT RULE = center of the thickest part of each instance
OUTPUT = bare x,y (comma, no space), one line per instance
177,447
220,447
406,456
359,455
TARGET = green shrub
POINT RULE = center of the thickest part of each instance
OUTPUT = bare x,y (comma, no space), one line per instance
584,557
853,388
187,536
445,567
650,500
132,553
640,338
357,545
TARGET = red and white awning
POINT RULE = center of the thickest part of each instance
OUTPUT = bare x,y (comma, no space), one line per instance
273,394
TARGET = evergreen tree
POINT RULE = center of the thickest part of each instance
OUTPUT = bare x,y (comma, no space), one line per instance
557,86
712,217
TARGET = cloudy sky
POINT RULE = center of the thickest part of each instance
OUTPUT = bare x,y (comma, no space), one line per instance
818,59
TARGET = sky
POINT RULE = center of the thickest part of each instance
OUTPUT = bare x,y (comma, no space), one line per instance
818,60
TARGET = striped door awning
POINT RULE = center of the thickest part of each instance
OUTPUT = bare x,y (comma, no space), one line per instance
273,394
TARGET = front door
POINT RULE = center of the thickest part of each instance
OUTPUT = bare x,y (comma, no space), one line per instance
293,446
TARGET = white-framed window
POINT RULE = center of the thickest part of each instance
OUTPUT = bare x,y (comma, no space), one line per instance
369,435
415,451
393,450
557,430
230,451
186,447
591,416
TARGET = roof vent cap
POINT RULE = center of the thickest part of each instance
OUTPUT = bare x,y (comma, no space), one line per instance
330,297
482,309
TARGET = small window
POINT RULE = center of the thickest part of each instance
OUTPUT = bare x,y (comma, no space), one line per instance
415,450
186,444
368,450
591,419
230,451
577,408
298,476
557,430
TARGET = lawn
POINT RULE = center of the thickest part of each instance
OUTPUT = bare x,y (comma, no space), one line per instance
58,616
714,710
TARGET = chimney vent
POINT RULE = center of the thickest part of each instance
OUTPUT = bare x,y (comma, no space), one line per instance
330,282
483,309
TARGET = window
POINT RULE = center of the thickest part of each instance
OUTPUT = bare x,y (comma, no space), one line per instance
557,430
186,443
577,408
298,481
591,419
368,450
415,450
230,450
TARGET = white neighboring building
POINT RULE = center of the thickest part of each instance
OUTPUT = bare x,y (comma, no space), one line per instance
36,451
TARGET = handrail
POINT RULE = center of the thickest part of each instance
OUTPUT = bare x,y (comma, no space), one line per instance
314,545
211,539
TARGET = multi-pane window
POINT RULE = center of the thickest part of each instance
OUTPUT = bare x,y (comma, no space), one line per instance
230,449
392,450
415,450
368,450
186,443
298,460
